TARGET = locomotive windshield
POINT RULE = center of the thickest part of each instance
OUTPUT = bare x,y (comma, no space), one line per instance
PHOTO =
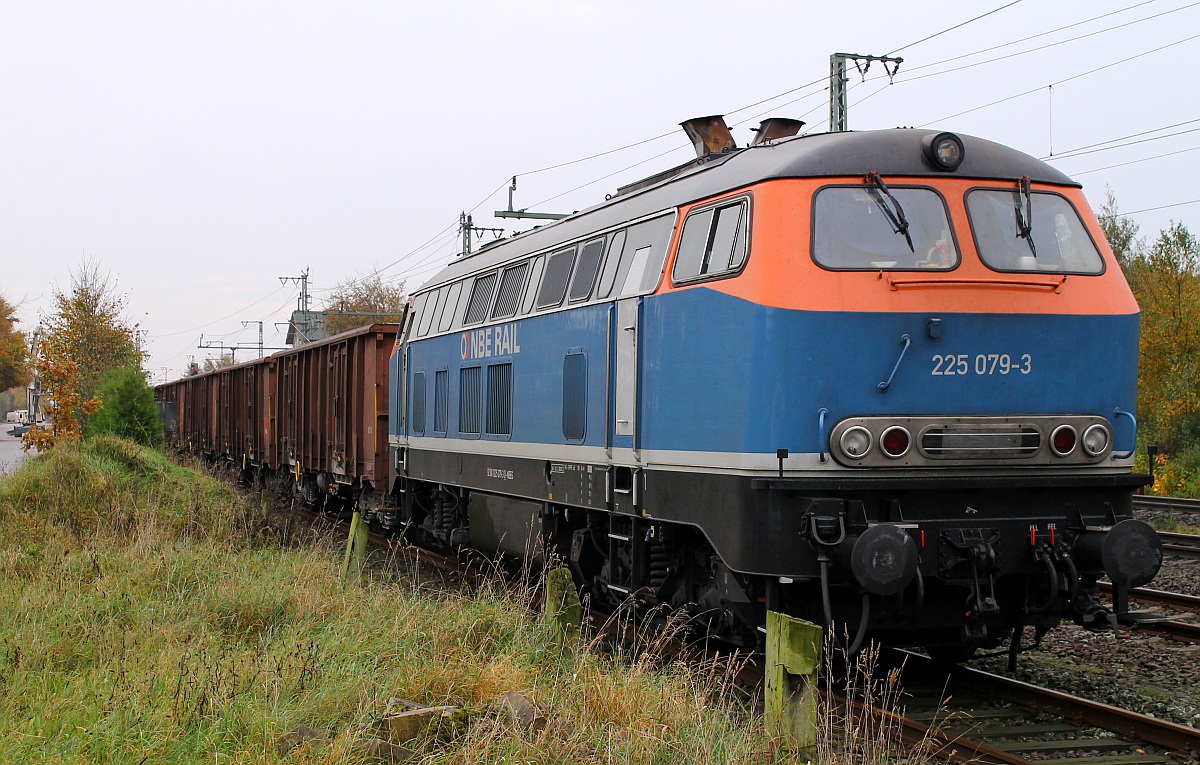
1038,232
858,228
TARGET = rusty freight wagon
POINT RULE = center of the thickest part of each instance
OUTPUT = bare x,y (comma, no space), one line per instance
333,405
245,414
316,416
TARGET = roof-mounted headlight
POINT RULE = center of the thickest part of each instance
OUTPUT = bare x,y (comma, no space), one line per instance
944,151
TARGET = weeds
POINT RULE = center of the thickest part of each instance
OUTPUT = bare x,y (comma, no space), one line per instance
147,619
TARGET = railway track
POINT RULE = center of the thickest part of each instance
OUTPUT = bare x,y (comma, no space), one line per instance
1169,627
968,715
1183,545
1169,504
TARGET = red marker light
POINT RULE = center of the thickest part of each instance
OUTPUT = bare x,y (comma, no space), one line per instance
1033,536
1062,440
895,442
1051,536
922,539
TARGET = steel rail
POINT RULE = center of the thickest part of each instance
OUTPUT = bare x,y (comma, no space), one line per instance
1177,600
1149,502
1179,738
1187,545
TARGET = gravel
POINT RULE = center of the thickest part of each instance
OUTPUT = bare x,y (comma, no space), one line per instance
1143,673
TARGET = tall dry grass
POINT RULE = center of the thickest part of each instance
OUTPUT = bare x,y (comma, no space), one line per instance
145,619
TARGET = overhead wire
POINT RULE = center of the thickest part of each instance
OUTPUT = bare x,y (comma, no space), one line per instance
1027,51
223,318
756,103
1079,150
1065,79
1136,161
951,29
1162,207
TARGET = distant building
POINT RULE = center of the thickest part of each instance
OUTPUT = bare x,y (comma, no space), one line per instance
306,327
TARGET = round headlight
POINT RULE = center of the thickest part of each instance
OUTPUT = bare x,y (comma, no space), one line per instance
944,151
856,442
895,441
1095,440
1063,439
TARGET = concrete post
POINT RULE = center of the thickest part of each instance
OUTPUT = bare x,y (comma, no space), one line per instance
356,547
793,659
562,607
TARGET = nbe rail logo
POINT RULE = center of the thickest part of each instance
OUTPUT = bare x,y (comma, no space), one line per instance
485,343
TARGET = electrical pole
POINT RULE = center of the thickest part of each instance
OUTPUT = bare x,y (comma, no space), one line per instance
466,227
233,349
302,280
260,335
838,118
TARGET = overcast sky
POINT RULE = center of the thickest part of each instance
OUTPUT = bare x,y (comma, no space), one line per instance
200,150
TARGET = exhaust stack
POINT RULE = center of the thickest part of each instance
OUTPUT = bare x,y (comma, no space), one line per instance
774,128
710,135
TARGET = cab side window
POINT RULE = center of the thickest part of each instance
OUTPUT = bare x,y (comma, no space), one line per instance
713,243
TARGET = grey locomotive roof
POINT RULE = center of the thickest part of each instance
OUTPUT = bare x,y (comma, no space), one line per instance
894,152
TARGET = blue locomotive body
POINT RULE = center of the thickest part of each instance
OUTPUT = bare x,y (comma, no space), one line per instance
696,395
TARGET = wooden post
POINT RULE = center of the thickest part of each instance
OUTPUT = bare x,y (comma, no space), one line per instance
356,547
793,659
562,607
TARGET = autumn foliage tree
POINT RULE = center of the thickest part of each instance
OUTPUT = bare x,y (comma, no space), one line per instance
1164,275
13,368
363,300
86,336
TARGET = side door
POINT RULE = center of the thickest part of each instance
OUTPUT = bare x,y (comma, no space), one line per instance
626,371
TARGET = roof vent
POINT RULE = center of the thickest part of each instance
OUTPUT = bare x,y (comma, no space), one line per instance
774,128
710,135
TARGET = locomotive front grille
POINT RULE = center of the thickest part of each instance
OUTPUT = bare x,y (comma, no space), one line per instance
987,442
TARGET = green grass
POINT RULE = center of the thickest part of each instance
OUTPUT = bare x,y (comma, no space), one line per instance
146,620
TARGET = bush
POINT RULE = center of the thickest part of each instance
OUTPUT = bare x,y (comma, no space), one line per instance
127,408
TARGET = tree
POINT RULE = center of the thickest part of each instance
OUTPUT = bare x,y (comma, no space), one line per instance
86,336
224,360
65,408
127,408
1121,231
13,367
368,294
1166,280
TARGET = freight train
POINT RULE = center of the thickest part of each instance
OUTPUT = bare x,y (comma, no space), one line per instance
881,380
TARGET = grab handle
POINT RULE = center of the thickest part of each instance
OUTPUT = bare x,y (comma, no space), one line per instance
821,427
883,386
1122,413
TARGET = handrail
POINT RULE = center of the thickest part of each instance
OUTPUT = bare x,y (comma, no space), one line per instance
896,284
821,427
883,386
1119,412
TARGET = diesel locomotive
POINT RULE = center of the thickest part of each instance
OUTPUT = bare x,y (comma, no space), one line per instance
881,380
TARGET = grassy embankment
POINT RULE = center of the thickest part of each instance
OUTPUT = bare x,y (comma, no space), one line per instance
146,619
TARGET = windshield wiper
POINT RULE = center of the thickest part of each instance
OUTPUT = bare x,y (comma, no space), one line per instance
1025,222
895,216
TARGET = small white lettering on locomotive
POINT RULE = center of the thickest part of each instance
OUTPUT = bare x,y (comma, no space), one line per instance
951,364
500,340
506,475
